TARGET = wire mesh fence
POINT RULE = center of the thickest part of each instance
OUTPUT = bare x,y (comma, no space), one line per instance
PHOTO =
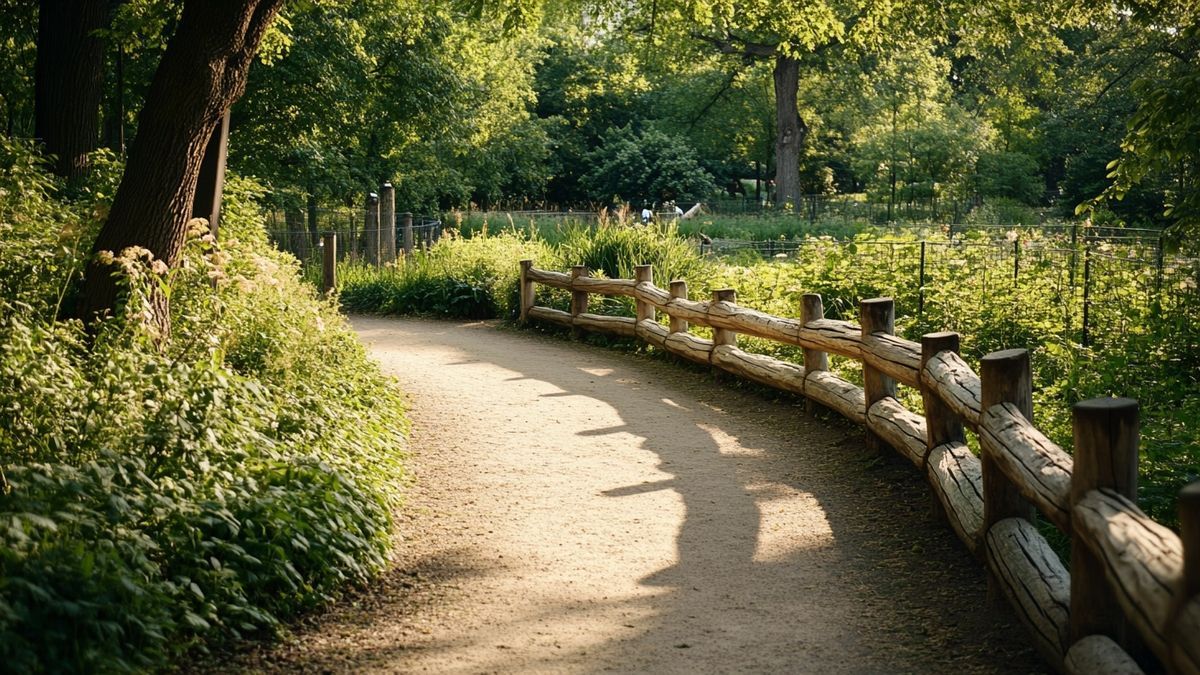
1096,289
854,208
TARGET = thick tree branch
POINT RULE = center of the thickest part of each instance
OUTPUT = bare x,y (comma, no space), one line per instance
731,44
730,77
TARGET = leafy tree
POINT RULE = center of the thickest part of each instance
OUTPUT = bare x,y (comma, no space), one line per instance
914,143
202,73
1163,137
410,92
1011,175
643,167
69,80
585,86
18,53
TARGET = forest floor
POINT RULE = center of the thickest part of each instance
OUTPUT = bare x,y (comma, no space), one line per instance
576,509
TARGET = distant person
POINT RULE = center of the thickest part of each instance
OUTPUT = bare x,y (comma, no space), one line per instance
647,214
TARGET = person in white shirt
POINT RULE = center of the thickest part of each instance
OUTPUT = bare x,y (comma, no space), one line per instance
647,214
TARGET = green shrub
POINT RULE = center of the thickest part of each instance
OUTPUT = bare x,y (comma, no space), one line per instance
467,278
158,496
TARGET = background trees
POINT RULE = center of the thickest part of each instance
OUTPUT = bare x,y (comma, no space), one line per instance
521,102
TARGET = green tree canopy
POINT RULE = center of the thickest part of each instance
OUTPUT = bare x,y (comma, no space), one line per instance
644,168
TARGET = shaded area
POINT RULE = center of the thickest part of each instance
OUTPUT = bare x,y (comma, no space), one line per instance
580,510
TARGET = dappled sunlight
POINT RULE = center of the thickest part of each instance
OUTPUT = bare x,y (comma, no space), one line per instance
673,404
790,520
645,526
729,445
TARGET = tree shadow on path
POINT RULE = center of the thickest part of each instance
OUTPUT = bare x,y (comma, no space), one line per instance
763,539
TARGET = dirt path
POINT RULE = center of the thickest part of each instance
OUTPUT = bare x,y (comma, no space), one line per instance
582,510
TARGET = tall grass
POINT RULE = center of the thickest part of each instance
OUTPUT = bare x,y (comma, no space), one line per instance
477,277
468,278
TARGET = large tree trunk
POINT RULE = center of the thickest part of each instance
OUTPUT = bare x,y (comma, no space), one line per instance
69,81
790,131
202,73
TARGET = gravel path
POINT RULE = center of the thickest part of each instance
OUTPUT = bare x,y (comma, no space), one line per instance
579,510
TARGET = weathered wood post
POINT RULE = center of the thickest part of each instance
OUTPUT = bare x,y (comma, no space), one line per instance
329,260
679,289
724,336
371,229
387,222
942,425
1185,648
526,290
579,299
406,222
877,315
811,309
1005,377
1106,454
427,236
645,310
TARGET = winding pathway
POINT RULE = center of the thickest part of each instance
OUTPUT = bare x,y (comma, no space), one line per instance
578,510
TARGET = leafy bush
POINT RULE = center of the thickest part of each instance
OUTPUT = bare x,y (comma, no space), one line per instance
1009,175
641,167
467,278
157,496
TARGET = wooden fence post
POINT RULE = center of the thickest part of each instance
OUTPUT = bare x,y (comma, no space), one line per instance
645,310
877,315
1005,377
579,299
329,266
679,289
1189,533
724,336
812,309
406,221
387,222
371,228
526,290
942,425
1106,453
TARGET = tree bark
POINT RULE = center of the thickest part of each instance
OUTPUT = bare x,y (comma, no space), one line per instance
202,73
790,131
69,81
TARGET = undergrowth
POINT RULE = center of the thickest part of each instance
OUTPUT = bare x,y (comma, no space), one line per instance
160,496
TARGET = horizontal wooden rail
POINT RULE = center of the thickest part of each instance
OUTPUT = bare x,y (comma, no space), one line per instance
1125,568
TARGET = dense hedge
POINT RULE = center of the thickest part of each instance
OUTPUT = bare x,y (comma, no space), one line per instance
162,495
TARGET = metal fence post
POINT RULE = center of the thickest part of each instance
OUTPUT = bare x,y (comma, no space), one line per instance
1087,292
921,283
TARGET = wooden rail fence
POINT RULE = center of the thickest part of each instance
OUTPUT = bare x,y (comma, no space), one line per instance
1133,584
